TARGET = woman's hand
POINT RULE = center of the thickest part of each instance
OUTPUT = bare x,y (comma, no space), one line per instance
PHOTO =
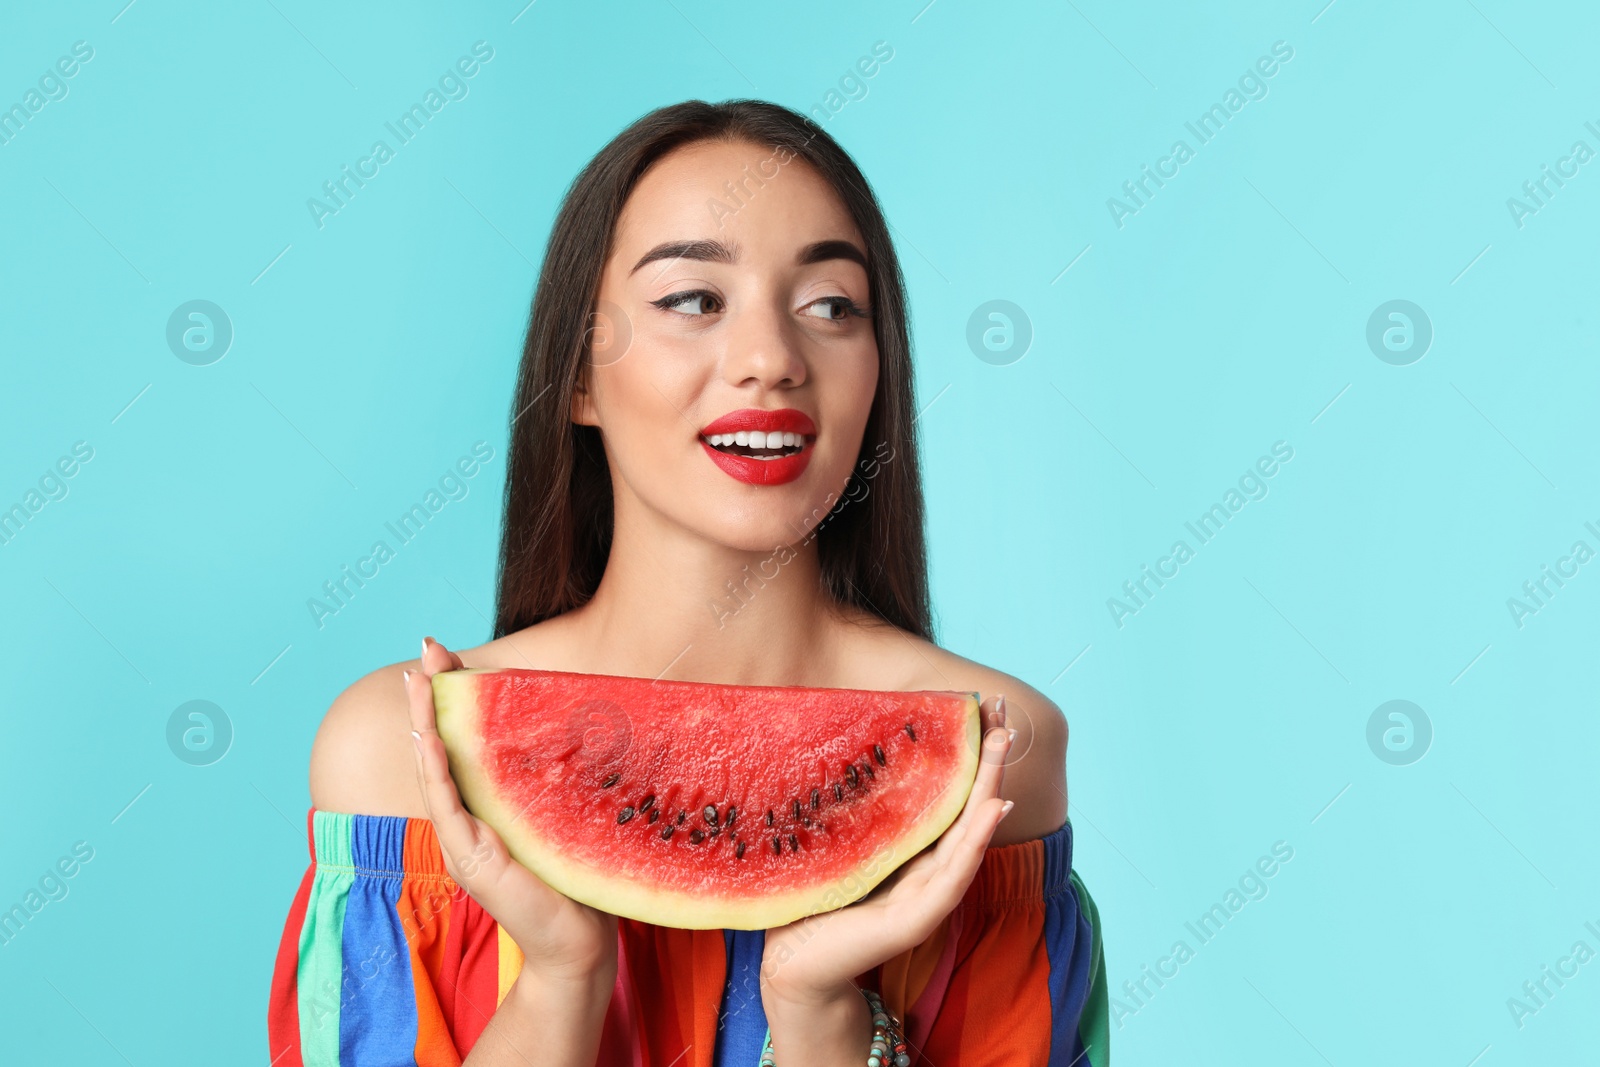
561,940
812,959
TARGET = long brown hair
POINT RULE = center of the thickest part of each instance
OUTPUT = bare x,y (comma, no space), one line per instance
556,528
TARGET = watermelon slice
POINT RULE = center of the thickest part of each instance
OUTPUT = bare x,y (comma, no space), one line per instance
703,806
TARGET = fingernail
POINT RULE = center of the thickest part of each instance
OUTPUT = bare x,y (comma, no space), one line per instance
424,648
1005,809
1011,735
416,737
405,680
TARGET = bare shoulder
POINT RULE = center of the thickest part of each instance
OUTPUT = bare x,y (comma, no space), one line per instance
1036,771
363,761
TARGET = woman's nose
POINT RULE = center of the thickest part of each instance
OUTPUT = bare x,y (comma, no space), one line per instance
763,348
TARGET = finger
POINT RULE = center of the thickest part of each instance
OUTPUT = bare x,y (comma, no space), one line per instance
1011,743
436,658
986,737
962,849
992,761
932,886
419,703
487,849
991,765
993,712
986,787
461,837
455,828
949,883
452,824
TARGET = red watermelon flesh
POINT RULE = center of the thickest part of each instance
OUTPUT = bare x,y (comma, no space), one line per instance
706,806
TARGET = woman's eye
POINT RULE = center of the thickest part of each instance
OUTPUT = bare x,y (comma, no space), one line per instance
834,308
698,302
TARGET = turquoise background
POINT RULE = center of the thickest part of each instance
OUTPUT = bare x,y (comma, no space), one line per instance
1231,712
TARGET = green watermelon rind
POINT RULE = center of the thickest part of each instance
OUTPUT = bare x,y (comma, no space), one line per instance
456,710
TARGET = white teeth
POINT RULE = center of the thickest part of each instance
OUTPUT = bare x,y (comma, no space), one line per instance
757,439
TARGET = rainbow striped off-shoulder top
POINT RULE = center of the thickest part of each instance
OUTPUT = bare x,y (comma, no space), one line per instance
385,961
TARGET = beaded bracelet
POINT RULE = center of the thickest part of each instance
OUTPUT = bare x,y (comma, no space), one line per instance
888,1040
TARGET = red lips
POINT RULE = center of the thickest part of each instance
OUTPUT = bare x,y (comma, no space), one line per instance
754,471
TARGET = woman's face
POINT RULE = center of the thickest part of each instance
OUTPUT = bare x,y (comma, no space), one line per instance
733,362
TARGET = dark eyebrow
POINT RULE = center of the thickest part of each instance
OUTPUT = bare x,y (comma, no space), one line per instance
709,251
712,250
826,250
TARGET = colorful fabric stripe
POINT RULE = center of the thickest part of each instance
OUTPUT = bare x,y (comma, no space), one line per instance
743,1026
384,960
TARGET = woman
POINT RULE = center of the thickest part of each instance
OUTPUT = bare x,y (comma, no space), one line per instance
716,375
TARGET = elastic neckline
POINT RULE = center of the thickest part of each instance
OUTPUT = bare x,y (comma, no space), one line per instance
395,846
385,846
1023,871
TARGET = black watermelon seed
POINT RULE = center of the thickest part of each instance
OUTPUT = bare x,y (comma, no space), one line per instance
866,765
654,815
624,815
877,753
611,780
769,816
777,847
796,811
695,837
666,832
910,732
794,844
738,851
647,803
710,813
732,811
682,815
816,799
850,774
838,791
